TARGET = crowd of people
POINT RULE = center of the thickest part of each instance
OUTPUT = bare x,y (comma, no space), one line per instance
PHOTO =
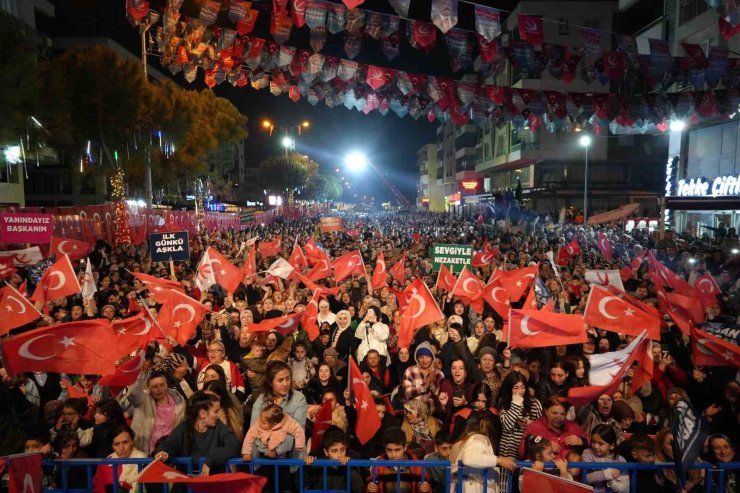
457,392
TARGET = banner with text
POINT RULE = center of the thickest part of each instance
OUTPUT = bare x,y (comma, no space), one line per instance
454,257
169,246
16,227
331,223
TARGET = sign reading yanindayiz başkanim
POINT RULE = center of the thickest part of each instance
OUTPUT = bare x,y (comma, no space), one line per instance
454,257
169,246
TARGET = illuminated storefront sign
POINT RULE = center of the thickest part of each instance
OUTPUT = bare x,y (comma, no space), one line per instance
722,186
469,185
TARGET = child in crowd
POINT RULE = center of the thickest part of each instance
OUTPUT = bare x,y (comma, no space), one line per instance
334,448
267,435
574,456
442,446
603,446
301,366
254,363
640,448
539,451
385,478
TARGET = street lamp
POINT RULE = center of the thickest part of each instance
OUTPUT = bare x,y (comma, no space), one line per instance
356,162
585,141
677,126
288,143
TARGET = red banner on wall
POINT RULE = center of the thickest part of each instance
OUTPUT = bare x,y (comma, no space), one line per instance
331,223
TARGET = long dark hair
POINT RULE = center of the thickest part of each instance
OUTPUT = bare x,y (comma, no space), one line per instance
273,368
219,389
219,370
111,409
507,386
199,401
479,423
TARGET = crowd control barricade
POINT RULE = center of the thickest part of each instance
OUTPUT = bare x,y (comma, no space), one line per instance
715,477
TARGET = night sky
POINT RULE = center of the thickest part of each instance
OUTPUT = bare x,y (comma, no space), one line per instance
390,142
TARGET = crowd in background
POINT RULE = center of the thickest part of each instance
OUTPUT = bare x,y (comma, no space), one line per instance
457,392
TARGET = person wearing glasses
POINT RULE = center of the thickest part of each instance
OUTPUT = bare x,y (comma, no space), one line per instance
217,356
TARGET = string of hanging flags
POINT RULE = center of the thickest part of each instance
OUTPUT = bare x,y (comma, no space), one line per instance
186,44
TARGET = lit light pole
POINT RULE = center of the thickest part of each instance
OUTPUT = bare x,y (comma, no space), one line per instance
585,141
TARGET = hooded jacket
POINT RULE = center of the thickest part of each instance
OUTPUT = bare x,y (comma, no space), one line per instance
418,384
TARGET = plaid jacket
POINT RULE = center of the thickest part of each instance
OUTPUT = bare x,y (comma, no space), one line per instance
415,385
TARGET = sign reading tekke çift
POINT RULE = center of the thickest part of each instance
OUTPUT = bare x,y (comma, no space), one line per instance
169,246
454,257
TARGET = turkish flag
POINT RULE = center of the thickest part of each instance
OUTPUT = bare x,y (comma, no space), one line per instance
542,482
250,263
707,288
59,281
498,298
637,261
237,482
308,319
205,278
564,258
530,28
228,275
323,290
285,325
74,248
368,421
84,347
25,473
282,268
535,328
380,274
516,282
398,271
297,259
606,311
445,279
126,373
470,289
133,333
320,424
605,246
180,315
709,350
157,284
313,252
688,306
573,248
269,248
666,276
421,310
16,310
481,259
298,12
321,268
347,265
530,302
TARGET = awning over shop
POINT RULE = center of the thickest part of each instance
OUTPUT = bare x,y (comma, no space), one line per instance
614,215
702,203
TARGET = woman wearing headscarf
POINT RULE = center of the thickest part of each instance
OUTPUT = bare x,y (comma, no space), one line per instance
343,337
419,426
372,334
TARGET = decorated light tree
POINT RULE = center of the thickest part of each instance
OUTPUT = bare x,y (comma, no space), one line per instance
122,234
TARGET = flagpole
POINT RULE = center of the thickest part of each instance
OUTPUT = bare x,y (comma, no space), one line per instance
154,319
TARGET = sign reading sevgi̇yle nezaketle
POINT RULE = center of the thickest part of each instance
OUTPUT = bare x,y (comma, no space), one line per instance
16,227
454,257
169,246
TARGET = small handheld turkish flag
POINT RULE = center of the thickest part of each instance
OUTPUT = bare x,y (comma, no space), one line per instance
320,425
368,421
421,310
380,274
58,281
17,310
398,271
25,473
445,279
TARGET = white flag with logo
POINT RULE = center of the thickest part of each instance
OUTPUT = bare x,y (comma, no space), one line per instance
605,367
280,268
88,285
554,266
205,278
604,278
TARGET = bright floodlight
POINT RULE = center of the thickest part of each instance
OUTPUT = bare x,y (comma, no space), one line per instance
585,141
677,126
287,142
356,162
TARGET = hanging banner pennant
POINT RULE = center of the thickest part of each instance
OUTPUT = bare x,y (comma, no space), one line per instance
400,6
318,38
279,8
374,25
530,28
209,12
294,94
391,24
488,49
487,22
391,45
285,56
347,69
352,44
238,10
375,76
351,4
457,40
280,28
337,18
717,65
355,21
444,14
316,13
614,65
246,25
298,12
424,33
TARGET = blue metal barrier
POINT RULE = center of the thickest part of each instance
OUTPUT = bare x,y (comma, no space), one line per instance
715,477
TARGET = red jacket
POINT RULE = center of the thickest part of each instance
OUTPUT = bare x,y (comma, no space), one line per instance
541,428
410,476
